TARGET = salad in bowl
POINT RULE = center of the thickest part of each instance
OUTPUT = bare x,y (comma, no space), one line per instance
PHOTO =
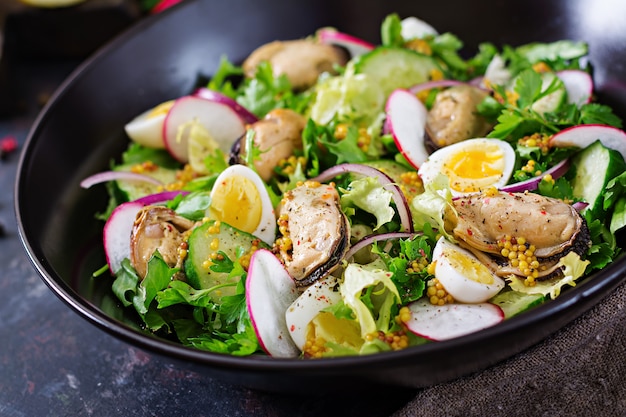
331,197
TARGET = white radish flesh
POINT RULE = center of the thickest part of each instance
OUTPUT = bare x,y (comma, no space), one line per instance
119,226
451,320
406,121
117,231
414,28
208,94
578,84
582,136
270,290
321,294
219,119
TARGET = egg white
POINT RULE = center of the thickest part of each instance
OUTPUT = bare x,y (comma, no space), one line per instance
320,295
147,128
266,227
462,275
467,175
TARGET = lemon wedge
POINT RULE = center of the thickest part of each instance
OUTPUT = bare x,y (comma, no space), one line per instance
346,96
201,144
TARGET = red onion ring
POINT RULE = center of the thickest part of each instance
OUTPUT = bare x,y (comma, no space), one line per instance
160,197
368,240
580,206
531,184
387,182
117,175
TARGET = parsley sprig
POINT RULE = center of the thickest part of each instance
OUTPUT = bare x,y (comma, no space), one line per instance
517,118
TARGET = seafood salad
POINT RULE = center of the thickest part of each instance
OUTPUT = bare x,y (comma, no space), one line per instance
329,196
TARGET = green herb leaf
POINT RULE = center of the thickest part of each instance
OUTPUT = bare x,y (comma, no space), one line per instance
391,31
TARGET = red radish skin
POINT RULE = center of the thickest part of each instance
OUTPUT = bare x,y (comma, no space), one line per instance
582,136
270,290
353,45
406,120
222,122
245,114
451,320
578,84
163,5
117,231
118,227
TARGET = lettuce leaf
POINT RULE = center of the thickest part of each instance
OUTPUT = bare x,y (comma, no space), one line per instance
430,206
369,195
573,269
358,278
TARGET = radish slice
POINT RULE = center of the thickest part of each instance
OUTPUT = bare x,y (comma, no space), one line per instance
582,136
245,114
270,290
321,294
370,239
119,226
531,184
220,120
117,175
413,28
406,118
451,320
402,205
117,231
353,45
578,84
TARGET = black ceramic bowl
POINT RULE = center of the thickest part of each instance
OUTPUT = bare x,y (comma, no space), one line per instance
81,130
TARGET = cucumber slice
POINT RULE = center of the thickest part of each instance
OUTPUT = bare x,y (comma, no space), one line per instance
554,100
389,167
135,189
395,171
595,166
513,303
210,238
393,68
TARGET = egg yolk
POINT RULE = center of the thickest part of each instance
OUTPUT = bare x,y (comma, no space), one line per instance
472,170
325,327
161,110
469,267
236,201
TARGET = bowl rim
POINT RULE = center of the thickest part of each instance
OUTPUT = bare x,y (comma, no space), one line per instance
568,304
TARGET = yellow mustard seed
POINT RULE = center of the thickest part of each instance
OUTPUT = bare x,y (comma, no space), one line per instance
541,67
419,45
436,74
437,294
312,184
